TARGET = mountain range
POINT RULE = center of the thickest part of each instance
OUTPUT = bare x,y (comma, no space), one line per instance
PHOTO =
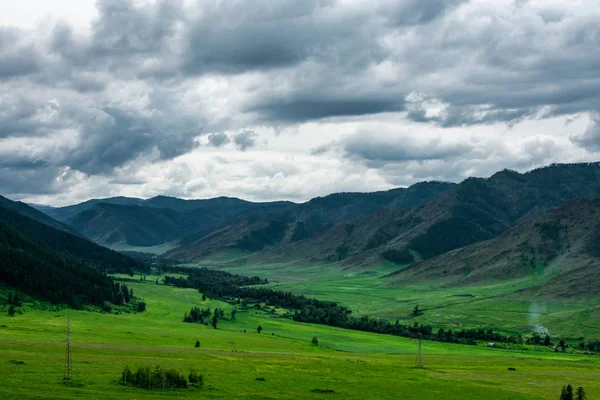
501,227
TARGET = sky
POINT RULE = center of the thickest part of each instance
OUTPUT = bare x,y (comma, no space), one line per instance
269,100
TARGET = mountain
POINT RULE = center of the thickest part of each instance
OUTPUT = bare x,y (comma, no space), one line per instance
276,228
63,242
158,220
476,209
561,247
63,214
33,213
44,273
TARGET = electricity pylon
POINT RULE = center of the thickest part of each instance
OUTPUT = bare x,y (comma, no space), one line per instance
68,352
419,363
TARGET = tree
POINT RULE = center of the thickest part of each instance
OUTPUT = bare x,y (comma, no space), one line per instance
127,376
233,312
315,341
580,393
141,307
157,281
566,393
215,319
416,312
196,379
11,310
259,329
203,297
547,340
562,345
197,345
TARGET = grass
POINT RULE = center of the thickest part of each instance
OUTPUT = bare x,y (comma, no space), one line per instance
156,250
494,304
345,365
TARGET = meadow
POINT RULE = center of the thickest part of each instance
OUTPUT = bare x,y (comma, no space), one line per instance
351,364
486,305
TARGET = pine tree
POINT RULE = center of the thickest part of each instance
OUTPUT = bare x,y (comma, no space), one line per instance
580,393
547,340
215,319
259,329
203,297
569,393
197,345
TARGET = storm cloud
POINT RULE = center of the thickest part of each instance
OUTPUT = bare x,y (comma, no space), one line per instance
388,91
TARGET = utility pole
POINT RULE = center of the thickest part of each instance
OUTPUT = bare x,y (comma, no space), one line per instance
419,363
68,352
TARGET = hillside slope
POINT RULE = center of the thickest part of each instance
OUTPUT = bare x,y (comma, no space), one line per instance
43,273
67,244
561,247
261,230
31,212
476,209
141,225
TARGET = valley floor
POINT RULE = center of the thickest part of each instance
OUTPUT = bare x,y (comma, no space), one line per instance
355,365
491,304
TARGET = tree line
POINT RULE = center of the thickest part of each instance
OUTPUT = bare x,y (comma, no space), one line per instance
227,286
159,378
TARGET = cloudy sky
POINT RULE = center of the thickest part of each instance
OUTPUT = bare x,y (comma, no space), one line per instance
289,99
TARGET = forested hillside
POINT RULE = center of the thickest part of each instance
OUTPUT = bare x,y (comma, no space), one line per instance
474,210
35,214
69,245
267,228
43,273
560,246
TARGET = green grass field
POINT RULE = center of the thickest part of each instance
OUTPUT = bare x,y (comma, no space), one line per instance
355,365
493,306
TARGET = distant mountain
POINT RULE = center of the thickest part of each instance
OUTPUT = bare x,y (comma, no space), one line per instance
33,213
275,228
476,209
63,242
63,214
561,247
156,220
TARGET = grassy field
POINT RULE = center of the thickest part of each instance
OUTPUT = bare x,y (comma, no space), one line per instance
154,250
355,365
492,305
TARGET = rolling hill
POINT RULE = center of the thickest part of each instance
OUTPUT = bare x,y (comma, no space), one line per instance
44,273
63,242
35,214
475,210
158,220
561,247
265,229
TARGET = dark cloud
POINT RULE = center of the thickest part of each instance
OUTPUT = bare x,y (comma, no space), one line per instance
18,56
401,147
590,139
245,140
306,109
218,139
148,78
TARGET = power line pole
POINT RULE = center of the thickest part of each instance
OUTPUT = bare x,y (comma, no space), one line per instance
68,352
419,363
